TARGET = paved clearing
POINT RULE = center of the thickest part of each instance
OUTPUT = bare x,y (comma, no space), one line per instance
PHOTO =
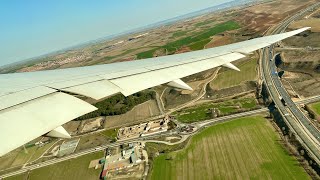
247,148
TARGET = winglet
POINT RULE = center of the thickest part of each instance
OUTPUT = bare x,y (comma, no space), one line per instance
178,83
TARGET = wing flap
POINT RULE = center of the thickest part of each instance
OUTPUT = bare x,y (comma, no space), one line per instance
23,96
29,120
96,90
138,82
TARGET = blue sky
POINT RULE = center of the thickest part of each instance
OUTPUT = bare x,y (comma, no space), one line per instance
30,28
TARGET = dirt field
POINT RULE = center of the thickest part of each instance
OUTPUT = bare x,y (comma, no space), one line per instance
72,127
314,23
302,66
309,38
305,85
291,57
306,39
142,111
247,148
259,18
302,71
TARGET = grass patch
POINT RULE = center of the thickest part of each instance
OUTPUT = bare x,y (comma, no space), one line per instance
199,45
153,148
180,33
146,54
70,169
316,108
203,111
17,177
19,156
246,148
230,78
110,133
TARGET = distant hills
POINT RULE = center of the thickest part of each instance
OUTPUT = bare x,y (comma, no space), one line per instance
218,8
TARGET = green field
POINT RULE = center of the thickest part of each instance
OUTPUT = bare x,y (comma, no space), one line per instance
111,134
316,108
199,44
203,23
179,33
246,148
73,169
17,177
146,54
195,42
229,77
203,111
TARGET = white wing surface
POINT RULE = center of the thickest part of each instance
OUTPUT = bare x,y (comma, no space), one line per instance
33,103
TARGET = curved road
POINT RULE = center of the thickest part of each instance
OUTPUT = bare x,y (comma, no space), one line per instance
301,126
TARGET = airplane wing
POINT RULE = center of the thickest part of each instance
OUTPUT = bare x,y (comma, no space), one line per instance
35,103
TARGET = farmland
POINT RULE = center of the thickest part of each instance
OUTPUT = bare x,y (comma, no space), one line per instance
203,111
195,42
70,169
19,156
246,148
229,77
179,33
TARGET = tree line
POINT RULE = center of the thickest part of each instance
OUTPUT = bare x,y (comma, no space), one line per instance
119,104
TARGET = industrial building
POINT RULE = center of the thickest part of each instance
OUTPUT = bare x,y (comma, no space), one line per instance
124,160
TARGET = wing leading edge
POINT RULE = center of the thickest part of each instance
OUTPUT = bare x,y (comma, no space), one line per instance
32,104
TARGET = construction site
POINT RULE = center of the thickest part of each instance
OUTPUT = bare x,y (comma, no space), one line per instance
144,129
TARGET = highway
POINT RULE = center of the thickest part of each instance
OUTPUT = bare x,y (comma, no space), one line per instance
290,104
299,124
